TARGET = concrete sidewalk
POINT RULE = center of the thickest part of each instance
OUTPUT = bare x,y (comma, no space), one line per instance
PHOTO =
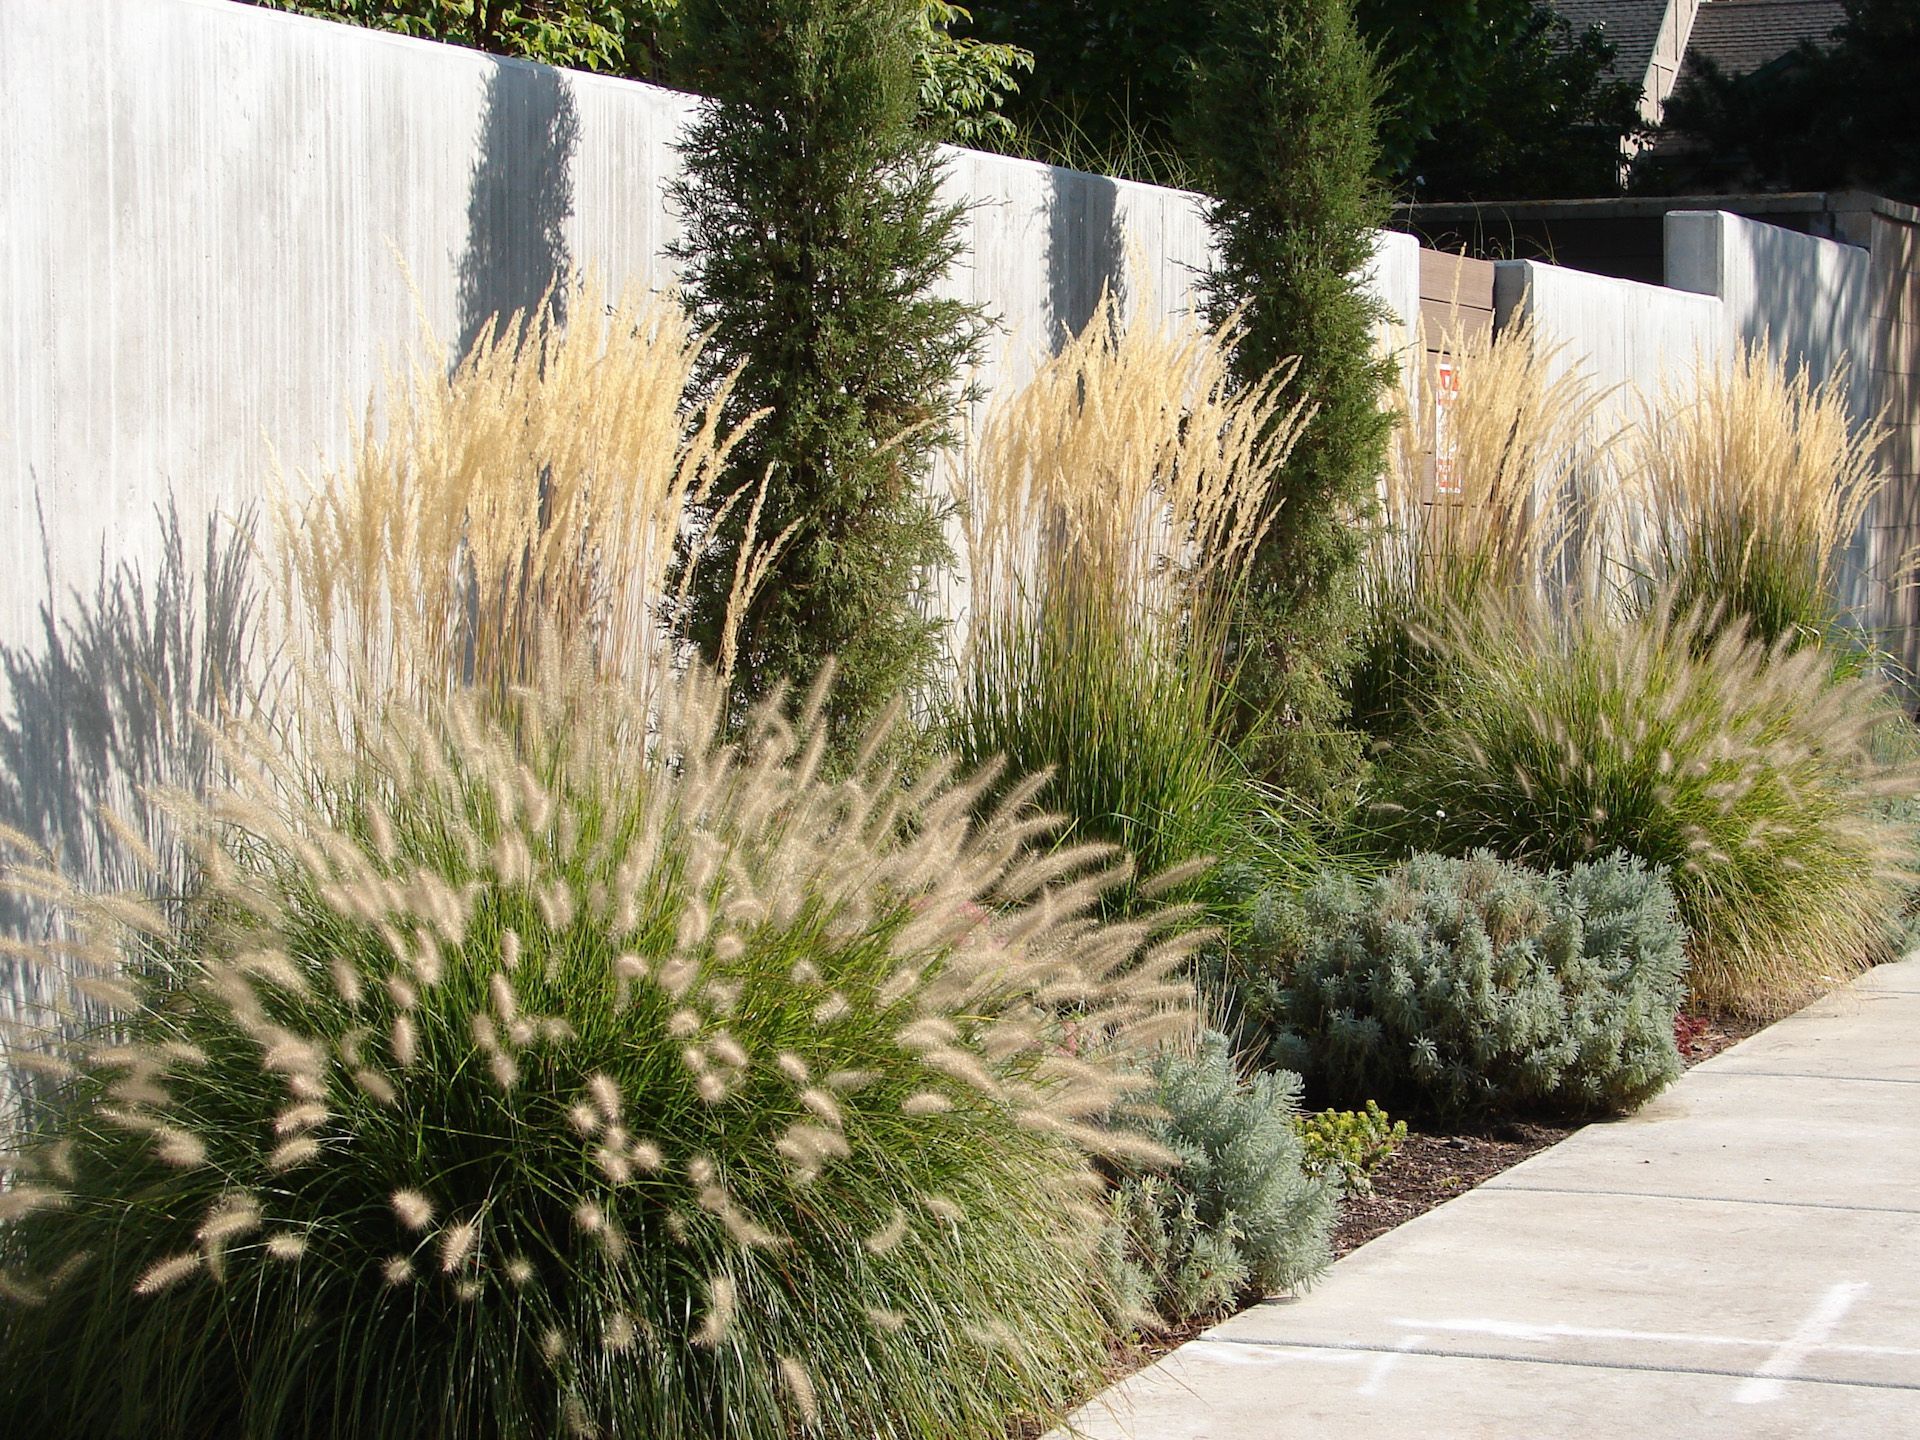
1742,1258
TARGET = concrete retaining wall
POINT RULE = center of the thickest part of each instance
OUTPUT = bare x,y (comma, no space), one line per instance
222,221
1895,318
1806,297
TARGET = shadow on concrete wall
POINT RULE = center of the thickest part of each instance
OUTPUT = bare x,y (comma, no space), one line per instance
1086,250
104,706
520,199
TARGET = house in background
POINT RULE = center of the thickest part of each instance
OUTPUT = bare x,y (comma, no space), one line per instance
1658,41
1740,37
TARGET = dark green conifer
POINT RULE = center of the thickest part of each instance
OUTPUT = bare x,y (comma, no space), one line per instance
1283,128
815,231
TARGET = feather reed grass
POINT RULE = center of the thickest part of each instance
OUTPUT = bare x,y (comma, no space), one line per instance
1751,483
1520,438
1111,511
578,1073
529,498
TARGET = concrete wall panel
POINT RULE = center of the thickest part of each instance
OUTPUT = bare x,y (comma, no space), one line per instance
1810,298
221,223
1629,337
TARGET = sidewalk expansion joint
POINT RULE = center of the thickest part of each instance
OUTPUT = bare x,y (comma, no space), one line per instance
1498,1187
1572,1362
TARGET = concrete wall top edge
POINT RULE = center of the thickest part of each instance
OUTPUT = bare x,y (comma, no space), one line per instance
1541,277
443,52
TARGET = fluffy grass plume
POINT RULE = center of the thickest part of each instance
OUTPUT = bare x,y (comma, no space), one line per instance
1111,511
1520,438
529,498
1748,771
1751,483
574,1073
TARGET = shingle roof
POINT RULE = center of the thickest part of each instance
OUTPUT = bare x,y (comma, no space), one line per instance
1742,35
1633,26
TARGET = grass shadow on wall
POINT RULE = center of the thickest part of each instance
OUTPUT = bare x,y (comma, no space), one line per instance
104,707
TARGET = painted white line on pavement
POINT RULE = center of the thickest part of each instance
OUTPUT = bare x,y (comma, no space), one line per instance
1809,1337
1523,1330
1377,1376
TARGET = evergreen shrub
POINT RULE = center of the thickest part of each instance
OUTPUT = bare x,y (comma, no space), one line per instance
815,231
574,1073
1238,1214
1462,986
1283,132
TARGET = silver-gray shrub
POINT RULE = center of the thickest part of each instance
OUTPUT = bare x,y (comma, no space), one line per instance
1462,986
1238,1213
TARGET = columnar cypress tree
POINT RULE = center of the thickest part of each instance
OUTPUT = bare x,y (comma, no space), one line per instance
814,232
1283,126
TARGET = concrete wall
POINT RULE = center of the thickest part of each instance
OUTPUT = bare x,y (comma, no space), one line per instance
1729,281
221,222
1623,333
1807,297
1894,316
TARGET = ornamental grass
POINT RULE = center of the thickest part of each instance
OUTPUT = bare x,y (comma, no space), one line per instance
1520,439
577,1072
1111,511
530,498
1749,771
1751,484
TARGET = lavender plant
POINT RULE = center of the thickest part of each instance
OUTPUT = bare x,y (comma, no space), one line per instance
1240,1213
1463,986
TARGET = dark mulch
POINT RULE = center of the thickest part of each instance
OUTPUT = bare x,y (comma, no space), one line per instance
1430,1169
1437,1163
1702,1037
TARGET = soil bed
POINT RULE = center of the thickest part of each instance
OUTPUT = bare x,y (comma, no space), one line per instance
1430,1169
1434,1165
